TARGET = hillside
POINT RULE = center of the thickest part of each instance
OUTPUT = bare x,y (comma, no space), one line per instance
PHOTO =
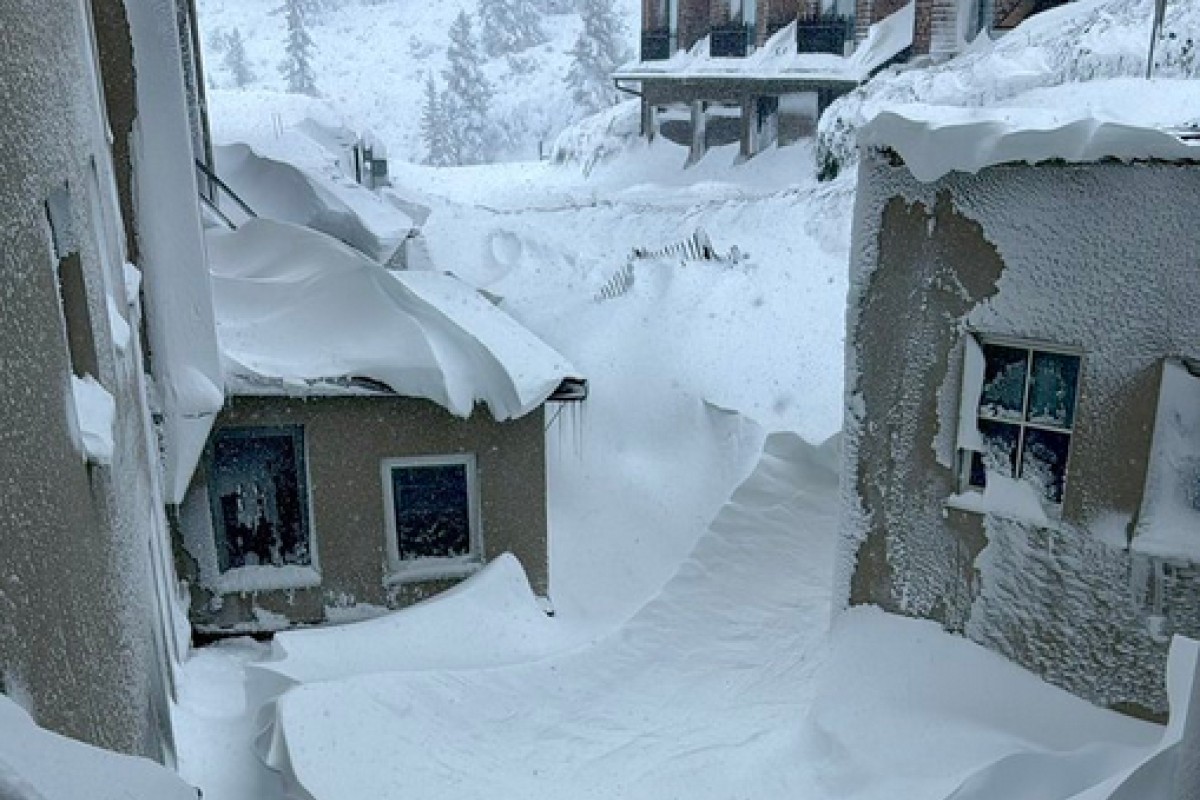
371,60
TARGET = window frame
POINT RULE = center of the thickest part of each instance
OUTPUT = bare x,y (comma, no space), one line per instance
965,455
432,567
290,576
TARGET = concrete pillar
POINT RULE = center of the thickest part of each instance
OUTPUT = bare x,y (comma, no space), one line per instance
749,143
649,123
699,132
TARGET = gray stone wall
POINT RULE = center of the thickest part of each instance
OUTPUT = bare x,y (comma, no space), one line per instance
346,439
1099,257
77,636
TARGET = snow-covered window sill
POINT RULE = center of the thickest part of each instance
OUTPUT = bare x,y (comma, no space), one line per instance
265,578
1026,509
434,569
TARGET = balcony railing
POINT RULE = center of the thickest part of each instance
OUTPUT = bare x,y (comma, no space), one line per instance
730,41
824,34
657,45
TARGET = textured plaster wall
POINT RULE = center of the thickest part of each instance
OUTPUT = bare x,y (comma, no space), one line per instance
76,636
1099,257
346,440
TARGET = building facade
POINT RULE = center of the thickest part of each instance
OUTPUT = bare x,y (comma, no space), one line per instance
1023,410
307,507
81,644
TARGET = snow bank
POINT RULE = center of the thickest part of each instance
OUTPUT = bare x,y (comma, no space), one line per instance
96,412
697,696
490,619
297,310
1080,42
38,765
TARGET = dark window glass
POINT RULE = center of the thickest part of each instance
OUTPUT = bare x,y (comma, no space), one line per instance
1003,395
1044,461
1026,395
433,511
1052,389
1001,441
259,497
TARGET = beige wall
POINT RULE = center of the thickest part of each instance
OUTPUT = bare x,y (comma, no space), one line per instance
346,440
1096,257
77,644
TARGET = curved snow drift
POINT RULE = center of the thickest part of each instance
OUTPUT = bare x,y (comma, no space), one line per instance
301,313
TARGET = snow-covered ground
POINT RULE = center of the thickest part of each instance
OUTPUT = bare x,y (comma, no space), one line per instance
692,498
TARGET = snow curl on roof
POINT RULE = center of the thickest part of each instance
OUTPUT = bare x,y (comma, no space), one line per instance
298,311
936,140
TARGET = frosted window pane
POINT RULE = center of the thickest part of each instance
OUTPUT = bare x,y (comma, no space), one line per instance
258,501
1003,395
433,513
1044,462
1052,390
1000,455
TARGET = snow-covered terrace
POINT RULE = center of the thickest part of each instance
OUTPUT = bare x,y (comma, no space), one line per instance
779,60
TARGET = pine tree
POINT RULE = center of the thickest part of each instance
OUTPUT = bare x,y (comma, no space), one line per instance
597,52
297,67
509,26
235,59
468,96
435,128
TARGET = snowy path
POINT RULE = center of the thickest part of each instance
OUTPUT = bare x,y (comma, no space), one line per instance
697,696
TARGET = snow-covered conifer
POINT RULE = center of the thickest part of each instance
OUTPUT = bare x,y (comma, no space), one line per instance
467,100
598,51
235,59
509,26
435,128
297,66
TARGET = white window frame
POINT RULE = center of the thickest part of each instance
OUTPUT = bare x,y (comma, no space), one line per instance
972,416
432,568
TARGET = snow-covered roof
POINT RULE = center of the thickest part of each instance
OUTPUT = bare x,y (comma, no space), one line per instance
1126,120
300,313
778,58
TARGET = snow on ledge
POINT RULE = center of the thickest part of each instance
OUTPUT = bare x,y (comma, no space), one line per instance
296,308
96,411
934,141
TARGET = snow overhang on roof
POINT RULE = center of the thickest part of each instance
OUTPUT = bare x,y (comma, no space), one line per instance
299,313
934,141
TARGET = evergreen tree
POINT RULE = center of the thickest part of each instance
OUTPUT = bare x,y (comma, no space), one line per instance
597,53
297,66
435,127
509,26
468,96
235,59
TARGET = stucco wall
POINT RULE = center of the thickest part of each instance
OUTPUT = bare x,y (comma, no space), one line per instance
1098,257
346,440
76,635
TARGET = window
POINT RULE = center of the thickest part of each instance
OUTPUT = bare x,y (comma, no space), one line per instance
1024,415
258,490
432,512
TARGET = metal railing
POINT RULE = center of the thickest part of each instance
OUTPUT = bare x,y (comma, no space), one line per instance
211,188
